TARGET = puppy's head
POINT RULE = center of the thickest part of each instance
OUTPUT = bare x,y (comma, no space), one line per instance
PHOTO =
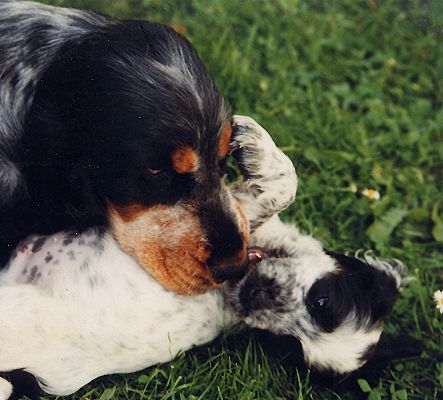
132,118
334,304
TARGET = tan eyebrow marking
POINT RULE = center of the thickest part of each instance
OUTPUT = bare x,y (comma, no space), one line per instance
184,160
225,140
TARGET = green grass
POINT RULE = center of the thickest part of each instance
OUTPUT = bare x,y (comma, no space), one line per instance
353,91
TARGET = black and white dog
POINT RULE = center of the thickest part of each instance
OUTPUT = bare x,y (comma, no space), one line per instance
74,306
116,124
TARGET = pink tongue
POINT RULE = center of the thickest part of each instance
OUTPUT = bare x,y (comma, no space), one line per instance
255,255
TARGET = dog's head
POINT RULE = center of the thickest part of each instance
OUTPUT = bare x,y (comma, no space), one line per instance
334,304
129,116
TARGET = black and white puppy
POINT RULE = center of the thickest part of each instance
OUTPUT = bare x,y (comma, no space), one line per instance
74,306
115,124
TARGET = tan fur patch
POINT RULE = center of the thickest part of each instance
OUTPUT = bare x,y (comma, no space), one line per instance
128,213
184,160
225,140
168,242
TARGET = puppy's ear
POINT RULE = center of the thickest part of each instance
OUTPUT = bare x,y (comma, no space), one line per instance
390,348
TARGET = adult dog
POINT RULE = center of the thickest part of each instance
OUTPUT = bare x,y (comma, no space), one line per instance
117,125
74,306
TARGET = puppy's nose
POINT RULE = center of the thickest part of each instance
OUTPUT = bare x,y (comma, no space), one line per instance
227,270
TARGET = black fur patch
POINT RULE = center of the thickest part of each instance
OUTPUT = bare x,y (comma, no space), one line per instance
38,244
24,384
260,292
358,288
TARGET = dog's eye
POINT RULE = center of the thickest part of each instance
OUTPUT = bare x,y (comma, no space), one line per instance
154,172
320,303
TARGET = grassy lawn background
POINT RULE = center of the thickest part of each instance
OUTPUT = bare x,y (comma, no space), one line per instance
353,91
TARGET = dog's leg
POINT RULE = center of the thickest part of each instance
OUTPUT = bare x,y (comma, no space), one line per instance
270,182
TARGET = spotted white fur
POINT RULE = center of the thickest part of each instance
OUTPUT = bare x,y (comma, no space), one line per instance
268,174
74,307
26,60
87,313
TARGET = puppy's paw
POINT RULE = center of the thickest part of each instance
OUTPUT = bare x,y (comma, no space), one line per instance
249,145
269,174
255,151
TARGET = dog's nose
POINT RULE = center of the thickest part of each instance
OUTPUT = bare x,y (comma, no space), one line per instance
229,256
227,233
228,259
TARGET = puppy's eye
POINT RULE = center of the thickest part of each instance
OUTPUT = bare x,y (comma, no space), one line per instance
154,172
320,303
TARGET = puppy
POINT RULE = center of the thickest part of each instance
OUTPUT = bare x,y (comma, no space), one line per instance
73,306
116,124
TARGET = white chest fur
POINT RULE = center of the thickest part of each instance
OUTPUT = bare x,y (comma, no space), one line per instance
87,313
